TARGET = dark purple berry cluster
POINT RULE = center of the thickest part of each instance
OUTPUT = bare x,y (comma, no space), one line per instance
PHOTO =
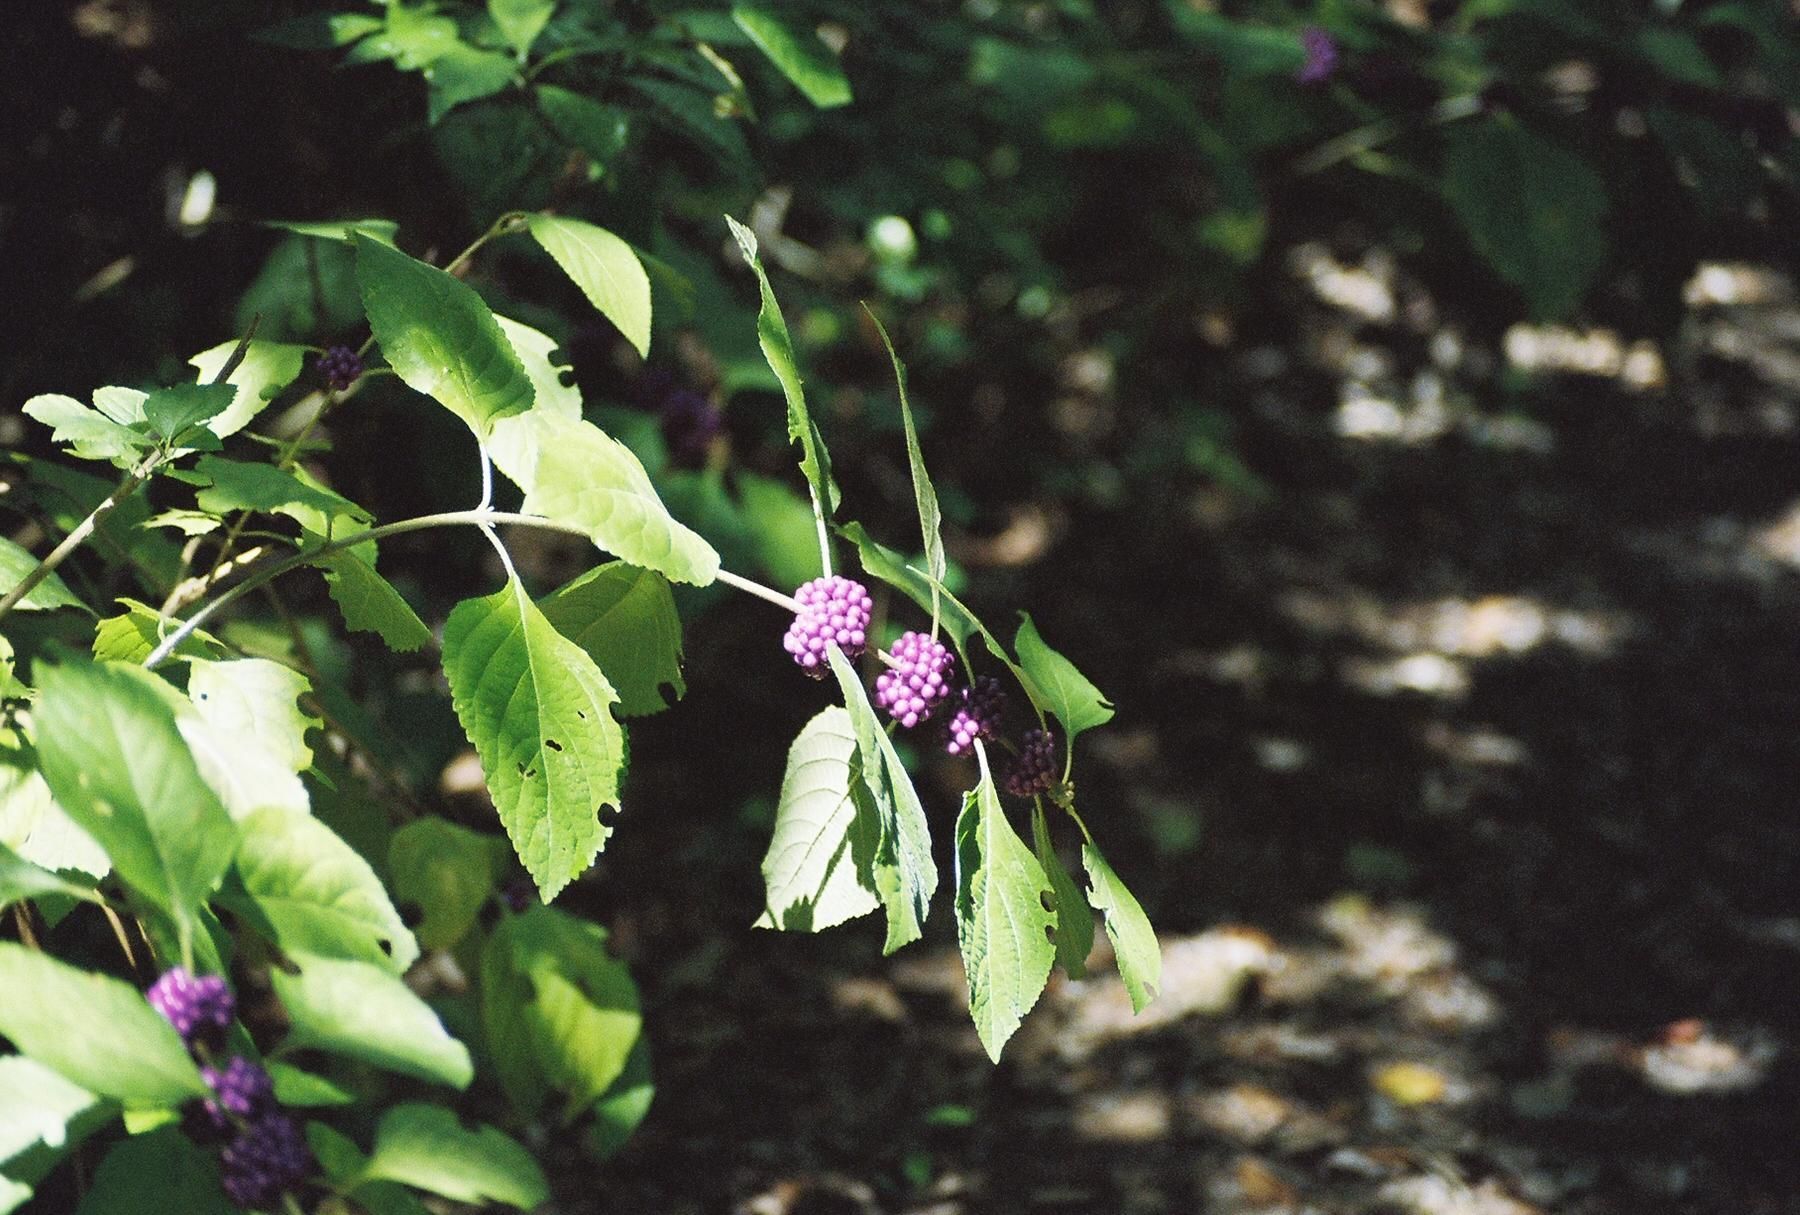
200,1007
976,714
1033,770
1321,56
831,609
265,1155
918,679
341,366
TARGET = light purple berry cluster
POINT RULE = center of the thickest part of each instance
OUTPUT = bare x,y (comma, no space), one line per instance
831,609
265,1155
977,713
340,366
200,1007
1033,770
918,678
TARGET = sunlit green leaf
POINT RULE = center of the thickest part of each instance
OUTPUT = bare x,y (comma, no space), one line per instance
1074,919
1002,925
439,336
362,1011
552,380
819,868
931,521
93,1030
625,618
426,1147
20,879
622,1107
1133,939
90,434
369,602
294,1087
132,634
539,713
521,21
880,561
383,230
15,564
605,268
42,1117
32,824
796,51
447,871
462,74
173,412
267,368
1060,688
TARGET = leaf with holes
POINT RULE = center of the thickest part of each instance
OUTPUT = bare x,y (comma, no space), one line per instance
539,714
1074,919
1002,925
439,337
819,869
447,871
248,733
1134,940
605,268
625,618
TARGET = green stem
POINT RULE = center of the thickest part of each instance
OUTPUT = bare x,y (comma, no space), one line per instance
79,535
455,518
1367,138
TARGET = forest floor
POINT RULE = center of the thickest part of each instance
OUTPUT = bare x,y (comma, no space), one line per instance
1460,775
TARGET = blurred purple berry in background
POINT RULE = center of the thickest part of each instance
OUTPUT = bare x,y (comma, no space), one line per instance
831,609
266,1160
340,366
976,714
199,1007
1033,771
1321,56
690,423
240,1087
917,679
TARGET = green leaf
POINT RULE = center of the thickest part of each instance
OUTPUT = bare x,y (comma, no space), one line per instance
294,1087
1057,685
574,473
1678,56
439,337
625,618
248,734
93,1030
65,496
778,350
155,1174
905,876
317,895
123,405
361,1011
90,434
464,74
346,230
536,353
411,37
1532,210
370,604
605,268
561,1012
620,1110
37,1106
521,21
20,879
880,561
931,520
266,369
1074,921
32,824
819,868
539,714
807,62
447,871
1002,925
173,412
1134,940
116,762
132,634
232,485
779,524
597,129
15,564
425,1147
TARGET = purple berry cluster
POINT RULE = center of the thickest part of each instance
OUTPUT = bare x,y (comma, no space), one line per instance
1033,770
977,713
831,609
265,1155
917,680
1321,56
341,366
200,1007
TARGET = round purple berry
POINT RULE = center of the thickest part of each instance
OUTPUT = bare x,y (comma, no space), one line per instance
241,1088
917,680
975,714
831,609
1033,770
200,1007
267,1159
340,366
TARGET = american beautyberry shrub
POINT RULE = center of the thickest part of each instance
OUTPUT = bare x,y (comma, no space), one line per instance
241,1089
832,609
918,679
976,714
1033,770
267,1159
341,366
200,1007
